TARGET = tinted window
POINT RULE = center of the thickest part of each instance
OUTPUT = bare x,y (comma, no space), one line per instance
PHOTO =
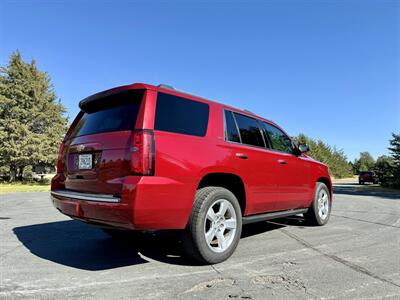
249,131
279,140
180,115
112,113
231,132
367,173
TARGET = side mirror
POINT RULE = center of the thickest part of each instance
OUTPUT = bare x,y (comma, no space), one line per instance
303,148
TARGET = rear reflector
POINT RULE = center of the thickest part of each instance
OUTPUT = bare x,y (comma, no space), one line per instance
142,152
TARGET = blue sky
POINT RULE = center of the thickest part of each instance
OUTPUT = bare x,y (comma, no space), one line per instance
329,69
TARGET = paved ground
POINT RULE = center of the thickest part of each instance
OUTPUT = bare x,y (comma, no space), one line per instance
357,255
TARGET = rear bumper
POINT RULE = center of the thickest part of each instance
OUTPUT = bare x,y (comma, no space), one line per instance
85,196
145,203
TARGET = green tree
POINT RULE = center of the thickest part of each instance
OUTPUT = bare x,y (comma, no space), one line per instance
384,167
365,163
395,148
334,158
395,154
32,121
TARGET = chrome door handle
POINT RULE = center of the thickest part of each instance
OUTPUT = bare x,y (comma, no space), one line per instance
282,162
241,155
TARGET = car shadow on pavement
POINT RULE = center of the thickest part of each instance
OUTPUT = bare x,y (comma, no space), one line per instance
78,245
366,190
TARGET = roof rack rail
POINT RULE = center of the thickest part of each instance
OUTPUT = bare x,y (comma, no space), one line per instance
248,111
166,86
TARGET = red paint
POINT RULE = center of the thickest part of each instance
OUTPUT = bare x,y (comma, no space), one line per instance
164,200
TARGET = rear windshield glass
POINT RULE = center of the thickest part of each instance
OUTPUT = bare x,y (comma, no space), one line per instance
112,113
181,115
366,173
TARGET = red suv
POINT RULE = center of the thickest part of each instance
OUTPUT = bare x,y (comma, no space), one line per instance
144,157
367,176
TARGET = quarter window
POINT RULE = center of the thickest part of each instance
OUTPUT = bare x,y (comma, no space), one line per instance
181,115
250,133
279,140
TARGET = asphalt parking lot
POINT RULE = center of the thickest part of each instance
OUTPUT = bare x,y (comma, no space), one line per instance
356,256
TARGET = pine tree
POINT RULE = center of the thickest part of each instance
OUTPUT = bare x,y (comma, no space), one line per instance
334,158
395,148
384,168
395,154
32,121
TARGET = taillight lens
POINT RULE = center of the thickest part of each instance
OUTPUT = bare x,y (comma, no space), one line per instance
142,152
59,158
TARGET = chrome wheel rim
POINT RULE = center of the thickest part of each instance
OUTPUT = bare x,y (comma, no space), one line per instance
323,204
220,225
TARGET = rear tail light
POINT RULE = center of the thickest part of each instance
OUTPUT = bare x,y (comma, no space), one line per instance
142,152
60,164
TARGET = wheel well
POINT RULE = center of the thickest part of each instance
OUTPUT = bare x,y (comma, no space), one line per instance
229,181
327,182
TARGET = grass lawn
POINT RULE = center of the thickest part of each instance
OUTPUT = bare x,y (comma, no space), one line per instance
6,188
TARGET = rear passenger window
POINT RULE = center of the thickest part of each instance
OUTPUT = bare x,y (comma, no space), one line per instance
231,132
250,133
279,140
181,115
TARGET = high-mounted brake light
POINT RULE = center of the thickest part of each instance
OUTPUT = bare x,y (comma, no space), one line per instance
142,152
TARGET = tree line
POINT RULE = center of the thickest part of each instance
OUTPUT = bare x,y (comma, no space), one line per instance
386,167
33,123
334,158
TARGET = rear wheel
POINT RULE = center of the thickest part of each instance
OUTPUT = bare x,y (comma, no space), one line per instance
320,210
215,226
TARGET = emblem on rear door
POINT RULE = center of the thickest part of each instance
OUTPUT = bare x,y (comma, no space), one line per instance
80,148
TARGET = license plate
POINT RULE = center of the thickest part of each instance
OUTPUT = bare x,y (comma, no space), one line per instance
85,161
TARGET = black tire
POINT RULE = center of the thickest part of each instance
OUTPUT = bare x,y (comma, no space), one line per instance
361,182
194,240
312,216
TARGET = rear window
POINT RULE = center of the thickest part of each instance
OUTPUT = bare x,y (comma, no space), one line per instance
181,115
366,173
112,113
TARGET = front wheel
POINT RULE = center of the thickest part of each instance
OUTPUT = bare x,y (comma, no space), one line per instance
320,210
215,226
